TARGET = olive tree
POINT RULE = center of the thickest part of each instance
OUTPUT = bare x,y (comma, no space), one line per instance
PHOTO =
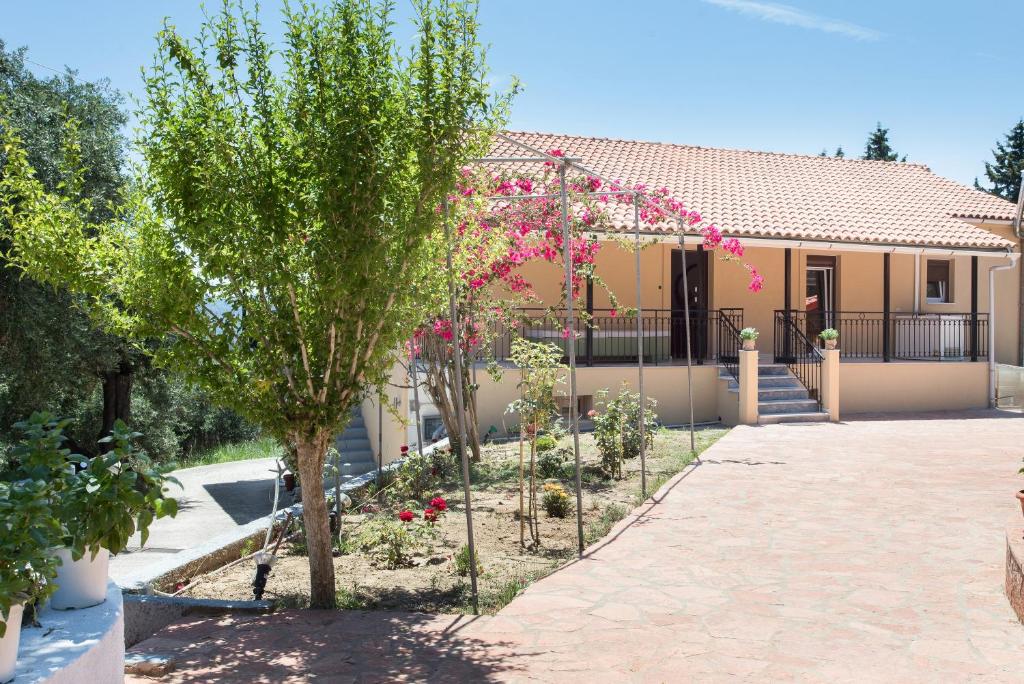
278,218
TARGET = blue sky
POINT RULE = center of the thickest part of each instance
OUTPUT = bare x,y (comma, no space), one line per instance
789,77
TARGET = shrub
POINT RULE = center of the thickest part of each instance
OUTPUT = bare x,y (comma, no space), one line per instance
388,542
460,562
556,501
546,443
414,477
551,464
617,428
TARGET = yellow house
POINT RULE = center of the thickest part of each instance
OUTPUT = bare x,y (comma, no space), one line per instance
919,275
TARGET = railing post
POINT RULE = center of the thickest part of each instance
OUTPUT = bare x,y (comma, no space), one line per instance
590,326
830,383
974,308
748,387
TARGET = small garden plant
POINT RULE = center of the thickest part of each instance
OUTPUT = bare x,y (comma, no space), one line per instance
28,531
617,428
749,334
557,502
541,369
829,334
460,562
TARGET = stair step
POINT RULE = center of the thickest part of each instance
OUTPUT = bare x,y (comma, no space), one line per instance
772,369
774,418
787,406
778,381
777,393
352,442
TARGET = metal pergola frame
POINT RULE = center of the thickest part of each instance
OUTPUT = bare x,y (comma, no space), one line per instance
563,164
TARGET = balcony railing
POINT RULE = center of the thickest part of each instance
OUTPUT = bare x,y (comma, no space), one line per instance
611,338
899,336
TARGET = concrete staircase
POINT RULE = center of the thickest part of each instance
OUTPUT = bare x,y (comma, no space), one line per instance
781,398
354,446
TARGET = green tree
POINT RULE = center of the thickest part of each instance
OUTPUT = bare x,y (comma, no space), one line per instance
51,357
279,222
878,147
1003,172
839,152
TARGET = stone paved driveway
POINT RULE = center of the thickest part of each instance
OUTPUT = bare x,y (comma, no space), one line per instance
866,551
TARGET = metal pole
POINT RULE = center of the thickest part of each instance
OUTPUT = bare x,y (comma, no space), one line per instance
337,490
416,396
640,350
380,441
689,358
460,408
570,321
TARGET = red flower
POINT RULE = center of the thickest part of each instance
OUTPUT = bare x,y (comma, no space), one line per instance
430,515
439,504
406,516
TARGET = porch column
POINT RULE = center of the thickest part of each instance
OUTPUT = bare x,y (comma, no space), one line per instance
830,383
885,305
748,387
974,308
589,335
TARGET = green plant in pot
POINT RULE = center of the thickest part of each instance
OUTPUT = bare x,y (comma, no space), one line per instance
830,336
749,338
99,507
28,531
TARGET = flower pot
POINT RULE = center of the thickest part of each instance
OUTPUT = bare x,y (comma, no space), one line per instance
81,583
1020,498
9,643
831,344
749,345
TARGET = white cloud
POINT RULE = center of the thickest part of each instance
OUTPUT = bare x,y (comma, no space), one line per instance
791,16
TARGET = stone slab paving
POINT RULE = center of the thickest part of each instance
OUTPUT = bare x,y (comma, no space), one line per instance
871,550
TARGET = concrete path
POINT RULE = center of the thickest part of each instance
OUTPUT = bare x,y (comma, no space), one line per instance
865,551
214,499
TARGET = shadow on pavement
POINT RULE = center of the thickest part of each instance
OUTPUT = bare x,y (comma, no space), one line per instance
246,500
330,646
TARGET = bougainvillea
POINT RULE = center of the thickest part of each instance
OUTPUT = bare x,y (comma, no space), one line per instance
502,219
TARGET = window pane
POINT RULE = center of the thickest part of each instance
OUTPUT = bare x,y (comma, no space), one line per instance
937,289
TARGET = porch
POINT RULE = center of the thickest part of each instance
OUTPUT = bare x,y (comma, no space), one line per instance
607,337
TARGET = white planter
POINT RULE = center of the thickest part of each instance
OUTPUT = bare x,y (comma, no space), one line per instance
9,643
81,583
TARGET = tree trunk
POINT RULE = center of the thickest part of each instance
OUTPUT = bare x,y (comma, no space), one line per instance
311,452
117,399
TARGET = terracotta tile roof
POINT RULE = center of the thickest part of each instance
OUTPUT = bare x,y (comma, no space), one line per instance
768,194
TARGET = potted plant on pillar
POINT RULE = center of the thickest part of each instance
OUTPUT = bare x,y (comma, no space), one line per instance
749,337
28,530
830,337
114,495
99,502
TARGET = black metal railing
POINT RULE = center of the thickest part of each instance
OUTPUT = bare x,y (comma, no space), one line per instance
609,337
729,345
901,336
802,356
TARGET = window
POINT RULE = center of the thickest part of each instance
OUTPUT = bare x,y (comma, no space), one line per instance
938,286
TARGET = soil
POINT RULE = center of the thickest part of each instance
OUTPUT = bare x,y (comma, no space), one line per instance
431,584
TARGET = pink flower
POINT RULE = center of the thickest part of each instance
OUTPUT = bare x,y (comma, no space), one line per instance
406,516
733,246
566,333
591,413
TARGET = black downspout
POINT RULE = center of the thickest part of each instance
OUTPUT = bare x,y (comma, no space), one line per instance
885,306
590,324
787,306
974,308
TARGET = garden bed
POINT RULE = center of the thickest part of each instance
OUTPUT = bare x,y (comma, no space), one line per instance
430,583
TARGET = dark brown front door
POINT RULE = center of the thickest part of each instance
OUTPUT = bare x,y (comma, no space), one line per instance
697,280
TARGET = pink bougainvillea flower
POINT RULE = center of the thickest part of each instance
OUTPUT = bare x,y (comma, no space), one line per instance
591,413
566,333
438,503
406,516
733,246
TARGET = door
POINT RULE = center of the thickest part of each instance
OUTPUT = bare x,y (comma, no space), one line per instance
820,297
697,280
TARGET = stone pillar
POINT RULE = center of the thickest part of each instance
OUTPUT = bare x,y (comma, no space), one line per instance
830,383
748,388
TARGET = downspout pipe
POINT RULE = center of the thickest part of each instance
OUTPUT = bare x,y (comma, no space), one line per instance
992,326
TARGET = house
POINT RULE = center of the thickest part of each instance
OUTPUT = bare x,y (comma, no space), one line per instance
893,256
896,258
